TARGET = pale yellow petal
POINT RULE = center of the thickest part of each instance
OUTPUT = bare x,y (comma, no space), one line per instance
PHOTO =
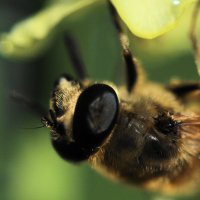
150,18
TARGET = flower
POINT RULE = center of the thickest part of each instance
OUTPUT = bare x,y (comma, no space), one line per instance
145,18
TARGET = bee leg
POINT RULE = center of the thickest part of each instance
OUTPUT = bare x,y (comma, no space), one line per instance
182,90
75,57
131,66
193,36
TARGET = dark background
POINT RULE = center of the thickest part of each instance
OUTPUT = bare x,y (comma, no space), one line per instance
29,167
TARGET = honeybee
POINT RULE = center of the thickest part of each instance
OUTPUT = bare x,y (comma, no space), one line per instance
140,133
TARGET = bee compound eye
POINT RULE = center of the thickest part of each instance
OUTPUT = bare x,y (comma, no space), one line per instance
95,115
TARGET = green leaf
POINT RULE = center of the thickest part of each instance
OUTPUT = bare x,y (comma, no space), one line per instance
30,37
150,18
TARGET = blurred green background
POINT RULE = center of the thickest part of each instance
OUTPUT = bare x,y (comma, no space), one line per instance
29,167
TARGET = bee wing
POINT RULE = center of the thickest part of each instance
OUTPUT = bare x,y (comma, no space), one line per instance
190,133
189,125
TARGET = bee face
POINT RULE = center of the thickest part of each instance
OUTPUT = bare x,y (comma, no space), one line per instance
82,118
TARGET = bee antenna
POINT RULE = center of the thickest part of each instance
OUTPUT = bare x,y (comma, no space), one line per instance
47,123
35,106
32,128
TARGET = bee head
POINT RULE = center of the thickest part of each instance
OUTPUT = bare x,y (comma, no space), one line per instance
81,117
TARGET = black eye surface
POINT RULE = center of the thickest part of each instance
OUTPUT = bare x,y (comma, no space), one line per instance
95,115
